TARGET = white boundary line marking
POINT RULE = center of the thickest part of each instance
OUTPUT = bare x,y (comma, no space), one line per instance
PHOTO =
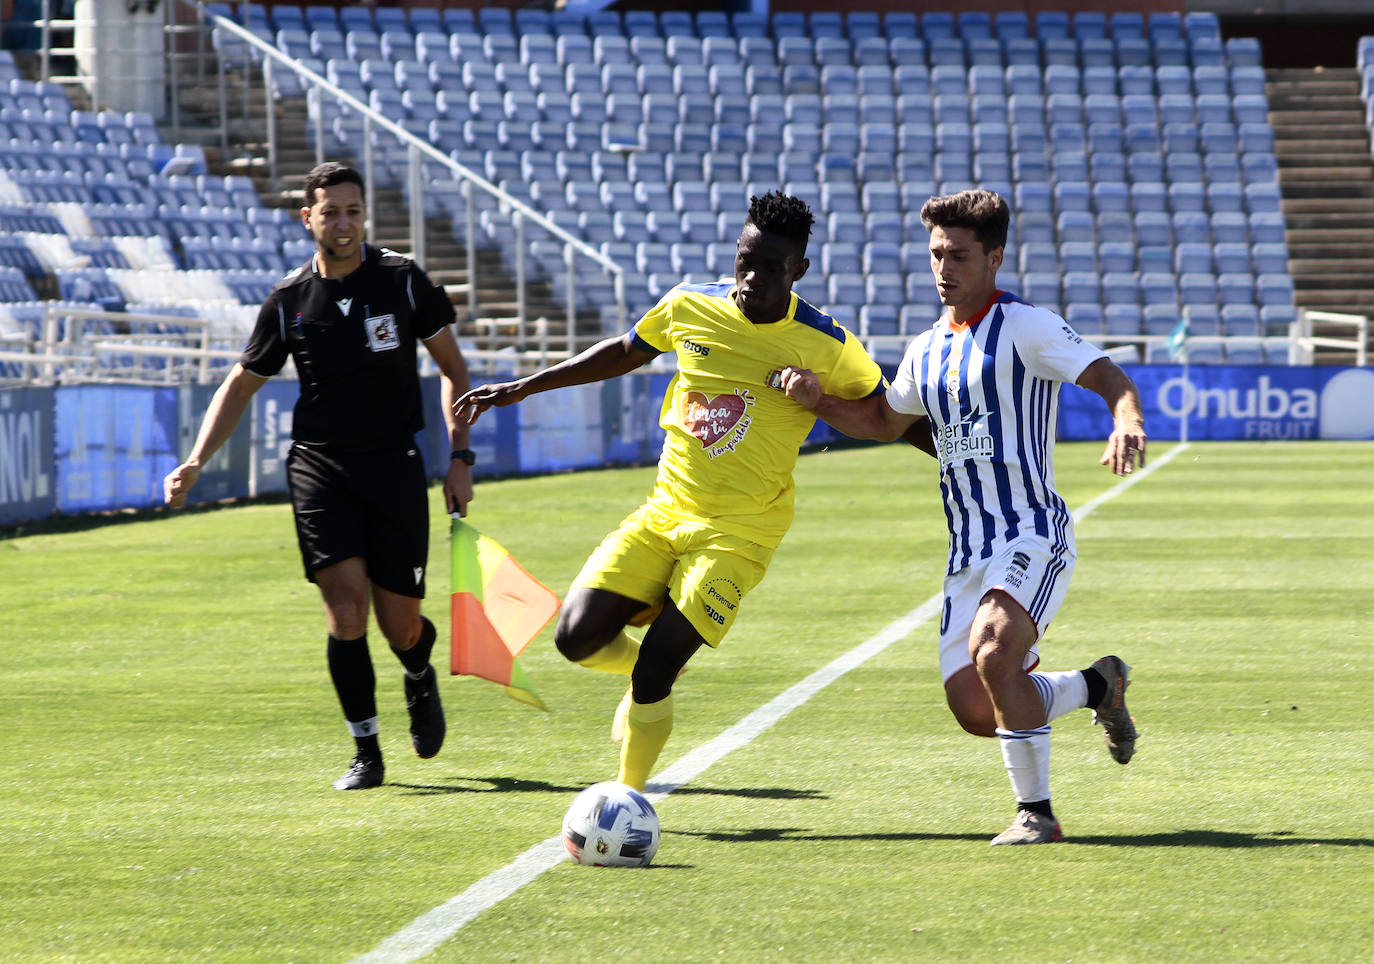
430,930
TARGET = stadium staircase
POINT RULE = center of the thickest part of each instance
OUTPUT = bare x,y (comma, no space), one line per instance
446,259
1326,174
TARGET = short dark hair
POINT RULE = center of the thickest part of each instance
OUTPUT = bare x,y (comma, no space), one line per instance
982,211
782,214
327,175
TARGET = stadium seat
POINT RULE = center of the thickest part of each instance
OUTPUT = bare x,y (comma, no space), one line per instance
1203,319
1122,319
1235,288
1240,320
1274,290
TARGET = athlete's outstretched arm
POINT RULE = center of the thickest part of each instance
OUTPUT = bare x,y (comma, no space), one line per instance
1127,441
606,359
870,417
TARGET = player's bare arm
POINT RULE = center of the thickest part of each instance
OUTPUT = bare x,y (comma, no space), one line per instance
453,384
1126,445
870,418
606,359
227,406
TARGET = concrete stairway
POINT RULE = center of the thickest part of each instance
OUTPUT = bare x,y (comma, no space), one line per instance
1326,173
495,324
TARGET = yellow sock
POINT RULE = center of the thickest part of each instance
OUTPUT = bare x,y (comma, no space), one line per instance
648,729
617,656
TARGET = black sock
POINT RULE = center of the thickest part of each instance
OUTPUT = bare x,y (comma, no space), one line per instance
1041,807
416,659
350,667
1097,685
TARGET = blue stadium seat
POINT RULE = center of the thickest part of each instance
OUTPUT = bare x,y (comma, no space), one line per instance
1122,319
1120,287
1158,288
1243,52
1082,287
1240,319
1160,319
1072,226
1269,258
1197,288
1235,288
1148,196
1274,289
1086,319
1267,227
1276,319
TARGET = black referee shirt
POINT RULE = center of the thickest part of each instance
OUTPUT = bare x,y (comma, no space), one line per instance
354,341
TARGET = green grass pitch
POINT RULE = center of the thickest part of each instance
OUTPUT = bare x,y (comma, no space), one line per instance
170,736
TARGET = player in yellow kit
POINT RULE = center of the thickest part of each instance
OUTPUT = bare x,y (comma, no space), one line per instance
684,560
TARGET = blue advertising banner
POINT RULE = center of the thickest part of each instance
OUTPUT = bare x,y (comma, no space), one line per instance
630,407
494,439
270,438
227,475
1234,402
114,445
27,470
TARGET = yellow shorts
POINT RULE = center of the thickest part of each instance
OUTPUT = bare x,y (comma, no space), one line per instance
704,571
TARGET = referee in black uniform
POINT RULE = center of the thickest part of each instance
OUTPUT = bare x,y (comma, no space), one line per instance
351,318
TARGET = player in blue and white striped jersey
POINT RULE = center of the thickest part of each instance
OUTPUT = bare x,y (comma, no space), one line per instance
980,392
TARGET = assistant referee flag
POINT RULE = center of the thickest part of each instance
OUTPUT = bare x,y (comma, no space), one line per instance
496,609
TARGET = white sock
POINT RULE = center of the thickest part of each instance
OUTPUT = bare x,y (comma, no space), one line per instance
362,728
1026,755
1062,692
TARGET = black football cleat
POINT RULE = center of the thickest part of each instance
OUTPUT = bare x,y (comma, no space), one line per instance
365,773
427,727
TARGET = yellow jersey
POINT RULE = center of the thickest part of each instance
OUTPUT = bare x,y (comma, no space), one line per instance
732,433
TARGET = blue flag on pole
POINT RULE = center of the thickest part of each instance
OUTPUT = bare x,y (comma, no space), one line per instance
1178,340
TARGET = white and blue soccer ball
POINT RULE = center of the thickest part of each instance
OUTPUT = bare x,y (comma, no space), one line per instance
611,825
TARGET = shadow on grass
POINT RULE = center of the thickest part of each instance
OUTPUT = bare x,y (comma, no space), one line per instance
1219,839
461,784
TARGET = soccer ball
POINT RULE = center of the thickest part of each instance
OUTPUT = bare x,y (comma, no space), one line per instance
611,825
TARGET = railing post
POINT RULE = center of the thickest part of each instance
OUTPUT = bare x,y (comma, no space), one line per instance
173,81
520,331
223,94
319,128
371,195
470,239
569,262
45,42
417,206
271,122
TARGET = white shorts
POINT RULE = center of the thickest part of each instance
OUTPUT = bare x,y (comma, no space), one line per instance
1030,570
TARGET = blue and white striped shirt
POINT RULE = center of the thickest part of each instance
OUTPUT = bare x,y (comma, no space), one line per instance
991,389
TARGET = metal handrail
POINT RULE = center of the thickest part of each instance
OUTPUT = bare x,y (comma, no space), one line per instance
1302,333
418,149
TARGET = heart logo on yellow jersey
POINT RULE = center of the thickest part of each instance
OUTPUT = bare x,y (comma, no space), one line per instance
713,419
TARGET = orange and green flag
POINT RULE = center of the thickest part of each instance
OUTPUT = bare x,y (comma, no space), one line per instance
497,608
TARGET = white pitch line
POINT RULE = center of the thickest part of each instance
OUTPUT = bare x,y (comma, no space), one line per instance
430,930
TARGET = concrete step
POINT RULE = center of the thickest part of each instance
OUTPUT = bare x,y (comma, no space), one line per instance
1326,221
1328,205
1338,137
1295,188
1304,99
1327,252
1322,162
1355,301
1332,280
1356,145
1332,267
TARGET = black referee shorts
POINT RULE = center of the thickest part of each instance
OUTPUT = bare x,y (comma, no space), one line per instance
368,504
